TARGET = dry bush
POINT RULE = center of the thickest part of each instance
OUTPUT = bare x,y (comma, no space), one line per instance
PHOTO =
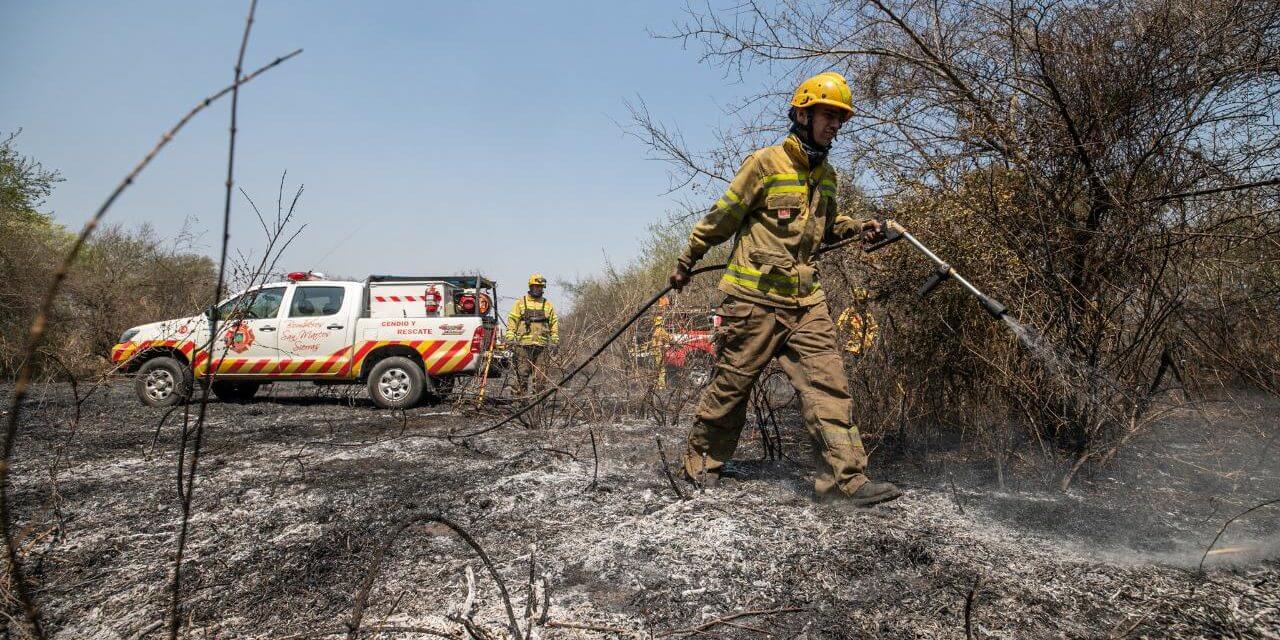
604,302
130,277
122,278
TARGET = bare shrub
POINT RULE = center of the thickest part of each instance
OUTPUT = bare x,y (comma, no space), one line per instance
123,277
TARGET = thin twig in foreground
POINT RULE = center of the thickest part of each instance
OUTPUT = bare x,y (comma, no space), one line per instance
35,336
725,619
1226,524
666,469
175,606
968,607
362,596
595,456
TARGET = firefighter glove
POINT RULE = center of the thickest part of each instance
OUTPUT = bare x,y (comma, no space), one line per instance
679,277
872,230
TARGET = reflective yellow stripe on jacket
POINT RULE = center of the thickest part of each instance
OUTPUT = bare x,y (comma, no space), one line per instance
525,333
796,183
730,202
779,222
782,284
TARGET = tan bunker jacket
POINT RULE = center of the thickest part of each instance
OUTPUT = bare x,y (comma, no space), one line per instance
533,322
780,210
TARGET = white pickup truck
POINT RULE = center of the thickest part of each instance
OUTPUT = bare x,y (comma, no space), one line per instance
405,337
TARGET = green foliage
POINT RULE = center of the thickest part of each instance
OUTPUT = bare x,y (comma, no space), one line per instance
24,186
122,277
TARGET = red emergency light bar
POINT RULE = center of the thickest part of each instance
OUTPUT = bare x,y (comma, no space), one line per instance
302,276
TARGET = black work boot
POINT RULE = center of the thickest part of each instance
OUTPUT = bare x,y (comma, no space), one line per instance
872,492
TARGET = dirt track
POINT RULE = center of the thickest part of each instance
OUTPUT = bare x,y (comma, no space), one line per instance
297,493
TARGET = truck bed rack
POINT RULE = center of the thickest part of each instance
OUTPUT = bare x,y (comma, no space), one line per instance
457,281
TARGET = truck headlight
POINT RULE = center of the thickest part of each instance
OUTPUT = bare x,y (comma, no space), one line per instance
128,335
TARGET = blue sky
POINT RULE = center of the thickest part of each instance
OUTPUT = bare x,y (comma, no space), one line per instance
431,136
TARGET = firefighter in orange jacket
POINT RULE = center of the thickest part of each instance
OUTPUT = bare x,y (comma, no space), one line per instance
780,207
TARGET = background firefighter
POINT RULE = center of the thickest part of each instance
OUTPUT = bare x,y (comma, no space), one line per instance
532,327
658,345
781,207
857,322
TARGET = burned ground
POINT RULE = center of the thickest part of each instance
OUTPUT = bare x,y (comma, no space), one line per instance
297,494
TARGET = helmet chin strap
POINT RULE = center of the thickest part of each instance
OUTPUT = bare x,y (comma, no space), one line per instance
804,132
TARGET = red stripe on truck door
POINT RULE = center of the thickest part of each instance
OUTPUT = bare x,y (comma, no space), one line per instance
462,364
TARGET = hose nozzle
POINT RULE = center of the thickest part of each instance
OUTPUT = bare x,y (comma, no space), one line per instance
992,306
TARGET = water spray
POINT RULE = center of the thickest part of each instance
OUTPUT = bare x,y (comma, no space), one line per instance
942,271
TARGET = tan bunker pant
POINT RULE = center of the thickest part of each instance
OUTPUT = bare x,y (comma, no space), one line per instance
529,374
804,341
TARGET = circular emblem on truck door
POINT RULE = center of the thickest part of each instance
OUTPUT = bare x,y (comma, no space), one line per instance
239,338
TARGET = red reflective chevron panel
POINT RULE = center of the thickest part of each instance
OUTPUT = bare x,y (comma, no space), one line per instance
438,356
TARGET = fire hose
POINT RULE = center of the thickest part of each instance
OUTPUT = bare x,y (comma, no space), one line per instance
893,232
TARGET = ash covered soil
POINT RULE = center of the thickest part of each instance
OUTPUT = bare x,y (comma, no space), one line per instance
297,493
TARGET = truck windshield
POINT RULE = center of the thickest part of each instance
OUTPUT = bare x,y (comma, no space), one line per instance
254,305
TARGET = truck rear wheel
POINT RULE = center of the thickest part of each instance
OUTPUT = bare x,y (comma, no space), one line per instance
163,382
234,390
396,383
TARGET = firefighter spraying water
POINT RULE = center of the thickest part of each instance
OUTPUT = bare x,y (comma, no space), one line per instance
780,210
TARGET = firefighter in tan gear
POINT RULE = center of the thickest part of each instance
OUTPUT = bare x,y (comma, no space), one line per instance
858,323
658,345
532,326
779,208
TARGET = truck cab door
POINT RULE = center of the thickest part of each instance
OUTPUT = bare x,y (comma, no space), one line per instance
318,329
245,344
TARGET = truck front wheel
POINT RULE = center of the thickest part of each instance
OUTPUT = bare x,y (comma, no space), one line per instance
163,382
396,383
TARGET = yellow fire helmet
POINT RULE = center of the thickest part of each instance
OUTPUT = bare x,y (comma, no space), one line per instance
538,280
827,88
